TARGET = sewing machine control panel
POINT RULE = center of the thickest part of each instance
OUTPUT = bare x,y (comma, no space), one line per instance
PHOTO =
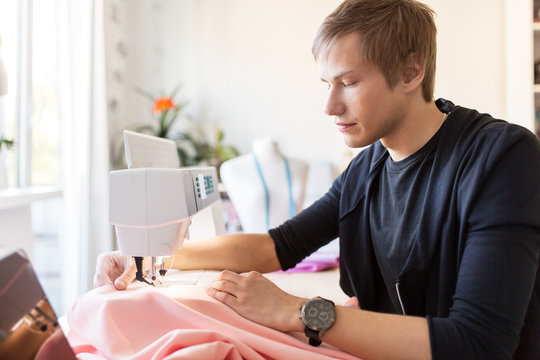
205,186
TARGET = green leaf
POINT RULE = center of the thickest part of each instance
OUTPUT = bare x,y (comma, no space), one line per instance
147,129
145,94
176,90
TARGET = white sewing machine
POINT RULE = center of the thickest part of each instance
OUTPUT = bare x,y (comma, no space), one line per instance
151,208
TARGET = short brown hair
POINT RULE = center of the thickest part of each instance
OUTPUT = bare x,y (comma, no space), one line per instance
390,30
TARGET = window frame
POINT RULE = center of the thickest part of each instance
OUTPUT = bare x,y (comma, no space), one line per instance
24,105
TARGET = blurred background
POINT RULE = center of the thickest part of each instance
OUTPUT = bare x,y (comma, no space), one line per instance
79,72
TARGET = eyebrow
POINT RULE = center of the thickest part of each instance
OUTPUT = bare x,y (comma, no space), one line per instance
340,75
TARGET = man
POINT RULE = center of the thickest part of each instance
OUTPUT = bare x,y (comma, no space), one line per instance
438,219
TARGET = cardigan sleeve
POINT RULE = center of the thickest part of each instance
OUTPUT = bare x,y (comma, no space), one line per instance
312,228
498,284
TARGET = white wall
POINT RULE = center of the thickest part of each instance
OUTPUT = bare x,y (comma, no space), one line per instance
246,65
520,104
471,49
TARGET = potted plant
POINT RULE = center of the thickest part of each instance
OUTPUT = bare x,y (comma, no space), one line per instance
195,147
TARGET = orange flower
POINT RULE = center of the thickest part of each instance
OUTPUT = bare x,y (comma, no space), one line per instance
163,104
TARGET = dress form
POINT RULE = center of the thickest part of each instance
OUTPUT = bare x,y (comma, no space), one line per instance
246,178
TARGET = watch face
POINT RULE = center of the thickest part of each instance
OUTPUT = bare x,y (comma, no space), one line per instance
318,314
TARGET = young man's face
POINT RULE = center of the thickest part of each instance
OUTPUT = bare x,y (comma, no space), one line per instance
364,108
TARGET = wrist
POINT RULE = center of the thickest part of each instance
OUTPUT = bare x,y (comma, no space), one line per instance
293,315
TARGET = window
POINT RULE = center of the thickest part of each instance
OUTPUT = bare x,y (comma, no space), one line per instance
30,115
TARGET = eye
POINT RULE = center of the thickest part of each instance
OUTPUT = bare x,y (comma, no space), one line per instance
348,84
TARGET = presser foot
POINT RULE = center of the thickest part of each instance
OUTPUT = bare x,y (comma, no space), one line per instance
154,279
153,276
139,276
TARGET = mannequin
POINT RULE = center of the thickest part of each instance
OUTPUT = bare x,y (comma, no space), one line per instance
246,178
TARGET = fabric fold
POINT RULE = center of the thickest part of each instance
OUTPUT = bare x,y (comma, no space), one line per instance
178,322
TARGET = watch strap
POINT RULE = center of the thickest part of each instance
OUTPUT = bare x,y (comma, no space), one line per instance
313,335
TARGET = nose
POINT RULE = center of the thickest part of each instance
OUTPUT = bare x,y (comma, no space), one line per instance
334,103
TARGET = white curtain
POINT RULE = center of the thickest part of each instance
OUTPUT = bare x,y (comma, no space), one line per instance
85,149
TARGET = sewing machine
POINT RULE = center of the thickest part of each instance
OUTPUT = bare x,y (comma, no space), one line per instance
153,202
151,210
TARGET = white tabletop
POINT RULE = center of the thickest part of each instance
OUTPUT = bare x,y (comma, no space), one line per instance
304,284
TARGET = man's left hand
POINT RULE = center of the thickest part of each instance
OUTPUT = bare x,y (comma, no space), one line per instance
258,299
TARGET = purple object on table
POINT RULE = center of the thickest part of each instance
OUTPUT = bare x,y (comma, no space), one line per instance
316,262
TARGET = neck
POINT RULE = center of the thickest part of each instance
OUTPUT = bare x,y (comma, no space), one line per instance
266,149
420,122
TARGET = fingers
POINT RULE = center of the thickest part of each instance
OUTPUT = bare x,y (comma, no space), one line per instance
231,288
122,282
221,296
225,287
229,276
239,278
101,279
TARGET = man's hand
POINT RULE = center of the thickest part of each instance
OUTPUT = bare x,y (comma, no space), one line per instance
258,299
113,268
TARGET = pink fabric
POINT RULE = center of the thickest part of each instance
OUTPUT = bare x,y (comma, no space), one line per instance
180,322
352,303
317,261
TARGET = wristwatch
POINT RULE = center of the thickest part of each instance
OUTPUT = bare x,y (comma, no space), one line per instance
318,315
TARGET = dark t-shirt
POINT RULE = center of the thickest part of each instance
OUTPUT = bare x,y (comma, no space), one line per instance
395,212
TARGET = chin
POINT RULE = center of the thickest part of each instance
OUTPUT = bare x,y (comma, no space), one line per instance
357,142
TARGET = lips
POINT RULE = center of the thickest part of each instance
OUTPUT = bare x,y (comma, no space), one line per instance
344,127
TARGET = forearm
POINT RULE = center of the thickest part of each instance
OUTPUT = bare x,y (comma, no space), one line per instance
237,252
371,335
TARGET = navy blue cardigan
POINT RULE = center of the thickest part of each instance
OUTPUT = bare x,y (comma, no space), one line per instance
473,271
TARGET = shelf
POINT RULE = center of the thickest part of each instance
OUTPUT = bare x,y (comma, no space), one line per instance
536,26
16,197
536,88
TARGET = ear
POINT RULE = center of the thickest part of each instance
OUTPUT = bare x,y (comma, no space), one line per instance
413,73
